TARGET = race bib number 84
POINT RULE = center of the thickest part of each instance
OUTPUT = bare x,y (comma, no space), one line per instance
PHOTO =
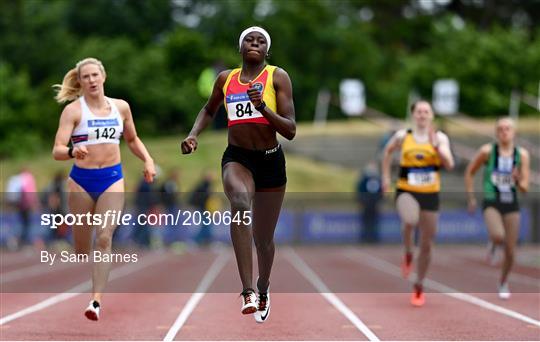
239,107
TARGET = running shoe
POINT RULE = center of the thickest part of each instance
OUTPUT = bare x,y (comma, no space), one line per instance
263,307
406,265
249,301
418,298
504,291
92,311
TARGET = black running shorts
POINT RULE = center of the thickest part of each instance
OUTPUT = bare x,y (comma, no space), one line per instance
427,201
266,166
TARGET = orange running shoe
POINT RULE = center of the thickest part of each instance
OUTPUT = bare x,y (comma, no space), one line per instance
418,298
406,265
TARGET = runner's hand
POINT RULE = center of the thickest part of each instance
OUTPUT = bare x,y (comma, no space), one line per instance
516,175
80,152
149,171
189,145
255,96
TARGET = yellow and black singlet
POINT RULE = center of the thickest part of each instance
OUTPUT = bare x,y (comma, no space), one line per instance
419,166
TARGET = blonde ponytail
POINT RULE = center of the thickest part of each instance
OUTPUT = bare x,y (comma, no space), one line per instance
70,89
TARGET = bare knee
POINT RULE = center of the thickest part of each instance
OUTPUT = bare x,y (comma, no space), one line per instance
264,245
408,226
497,239
240,201
104,242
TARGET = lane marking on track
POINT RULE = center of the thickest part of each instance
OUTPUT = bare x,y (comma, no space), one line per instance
526,257
490,272
10,259
216,267
385,266
32,271
117,273
515,275
324,291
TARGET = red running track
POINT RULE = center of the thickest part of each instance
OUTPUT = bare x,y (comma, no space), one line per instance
194,296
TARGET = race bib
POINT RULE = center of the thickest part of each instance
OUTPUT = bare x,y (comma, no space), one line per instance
103,129
421,178
239,107
502,180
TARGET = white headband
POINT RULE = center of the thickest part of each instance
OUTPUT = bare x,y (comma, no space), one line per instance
255,29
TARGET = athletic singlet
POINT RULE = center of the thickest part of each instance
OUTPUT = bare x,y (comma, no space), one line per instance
93,129
499,184
239,108
420,165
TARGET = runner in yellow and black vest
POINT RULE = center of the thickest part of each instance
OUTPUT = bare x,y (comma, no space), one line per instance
423,152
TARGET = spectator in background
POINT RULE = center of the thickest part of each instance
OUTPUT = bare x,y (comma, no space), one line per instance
369,191
199,200
169,191
22,195
12,195
55,202
28,204
171,203
144,203
205,84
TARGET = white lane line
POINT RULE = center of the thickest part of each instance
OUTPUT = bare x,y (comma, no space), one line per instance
324,291
525,257
490,271
82,287
199,293
385,266
32,271
514,277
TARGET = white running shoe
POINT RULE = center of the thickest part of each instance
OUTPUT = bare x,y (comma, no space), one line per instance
504,291
92,311
249,301
263,307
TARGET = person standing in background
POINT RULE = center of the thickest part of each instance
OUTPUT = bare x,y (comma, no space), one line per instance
55,202
28,204
199,200
369,196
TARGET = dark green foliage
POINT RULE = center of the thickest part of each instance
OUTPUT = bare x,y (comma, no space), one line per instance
154,52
